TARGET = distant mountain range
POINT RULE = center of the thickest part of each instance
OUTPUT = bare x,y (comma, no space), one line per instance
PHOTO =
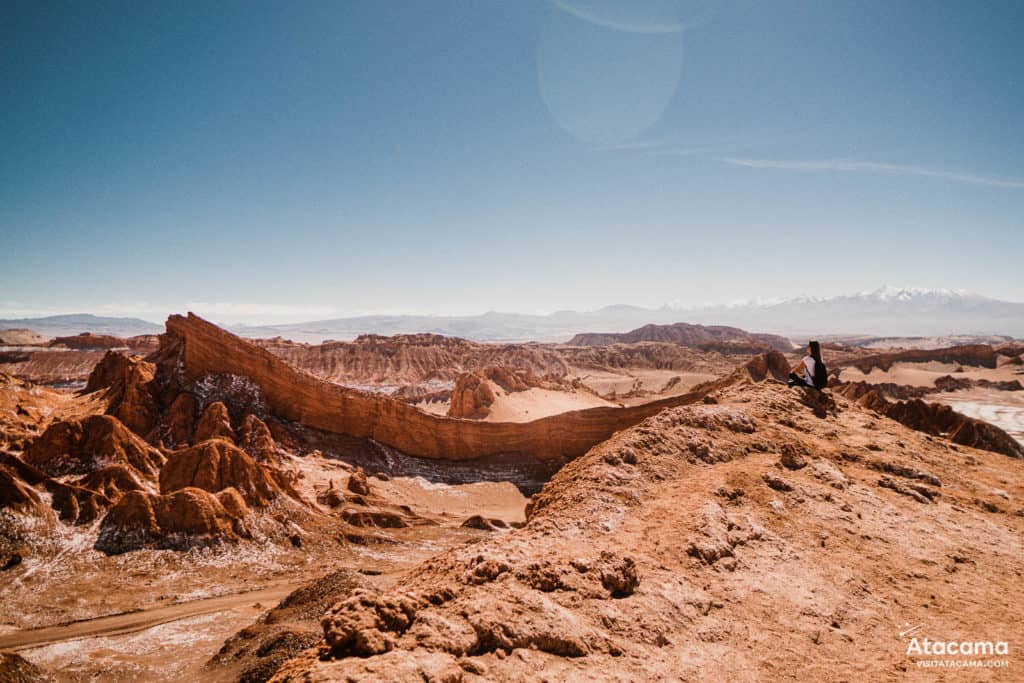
887,311
68,325
708,337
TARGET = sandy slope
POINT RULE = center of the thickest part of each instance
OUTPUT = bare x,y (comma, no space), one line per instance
925,374
523,406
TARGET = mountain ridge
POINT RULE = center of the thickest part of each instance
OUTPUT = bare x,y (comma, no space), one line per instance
884,312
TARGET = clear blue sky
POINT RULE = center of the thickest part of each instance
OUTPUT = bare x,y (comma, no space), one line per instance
281,161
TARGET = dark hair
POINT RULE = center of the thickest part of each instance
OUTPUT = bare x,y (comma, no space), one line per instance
815,350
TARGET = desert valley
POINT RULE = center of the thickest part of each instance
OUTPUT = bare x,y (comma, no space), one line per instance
559,341
650,505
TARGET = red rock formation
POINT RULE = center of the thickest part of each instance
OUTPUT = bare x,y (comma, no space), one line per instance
74,504
91,443
112,481
357,483
647,559
978,355
214,465
413,359
128,383
936,419
87,340
17,495
77,502
772,364
471,398
179,520
205,350
254,438
180,420
214,423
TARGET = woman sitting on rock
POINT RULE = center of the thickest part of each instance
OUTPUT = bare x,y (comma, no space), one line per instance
810,371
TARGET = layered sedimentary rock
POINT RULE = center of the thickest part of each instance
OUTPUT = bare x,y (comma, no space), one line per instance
16,494
936,419
204,350
979,355
178,520
128,384
472,397
214,465
214,423
254,438
413,358
88,444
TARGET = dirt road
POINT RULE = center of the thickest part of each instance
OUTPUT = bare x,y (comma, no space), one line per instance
129,622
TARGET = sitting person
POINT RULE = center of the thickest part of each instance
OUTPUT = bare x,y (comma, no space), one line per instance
810,372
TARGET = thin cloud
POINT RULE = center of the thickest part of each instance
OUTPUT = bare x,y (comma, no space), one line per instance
617,24
875,167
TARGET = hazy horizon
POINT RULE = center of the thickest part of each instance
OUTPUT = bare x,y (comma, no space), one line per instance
223,315
264,165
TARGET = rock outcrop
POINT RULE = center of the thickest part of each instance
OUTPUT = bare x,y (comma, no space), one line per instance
17,495
180,420
474,392
180,520
254,438
936,419
216,464
113,481
255,653
658,553
84,445
215,422
128,383
977,355
471,398
202,351
87,340
72,503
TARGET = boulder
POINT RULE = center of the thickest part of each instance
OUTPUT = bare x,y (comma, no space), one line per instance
357,483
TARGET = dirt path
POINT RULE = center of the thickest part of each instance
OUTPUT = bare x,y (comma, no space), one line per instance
129,622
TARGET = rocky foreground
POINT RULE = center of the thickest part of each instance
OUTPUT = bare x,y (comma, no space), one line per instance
741,530
739,539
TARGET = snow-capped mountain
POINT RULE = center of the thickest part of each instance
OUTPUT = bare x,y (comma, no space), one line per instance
889,311
884,312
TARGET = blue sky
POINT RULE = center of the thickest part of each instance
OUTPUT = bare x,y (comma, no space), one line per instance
265,162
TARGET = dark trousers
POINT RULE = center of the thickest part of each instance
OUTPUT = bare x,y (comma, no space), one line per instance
796,380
